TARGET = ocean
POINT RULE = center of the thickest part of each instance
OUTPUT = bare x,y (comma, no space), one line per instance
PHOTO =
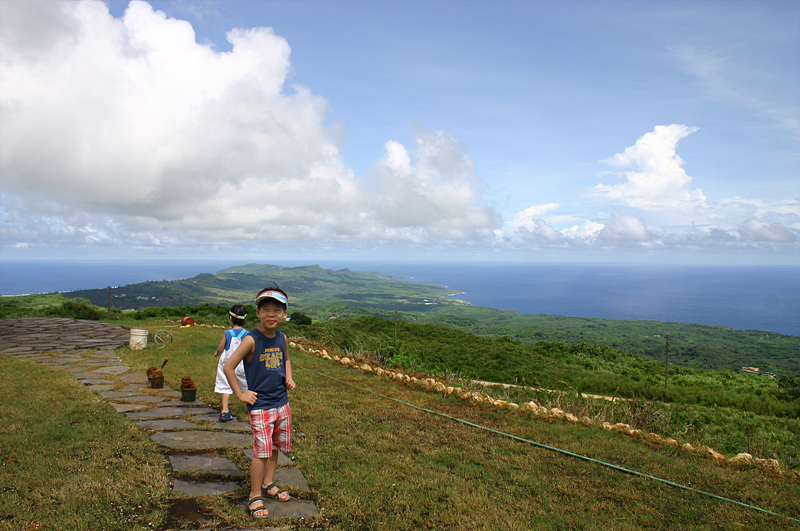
745,297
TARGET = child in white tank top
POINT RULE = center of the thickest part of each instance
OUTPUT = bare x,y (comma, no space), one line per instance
230,341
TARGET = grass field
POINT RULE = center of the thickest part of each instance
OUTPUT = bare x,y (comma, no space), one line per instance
72,463
372,460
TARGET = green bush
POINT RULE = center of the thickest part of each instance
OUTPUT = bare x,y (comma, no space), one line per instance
790,387
300,318
78,309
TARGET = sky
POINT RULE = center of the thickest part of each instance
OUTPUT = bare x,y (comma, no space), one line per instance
538,131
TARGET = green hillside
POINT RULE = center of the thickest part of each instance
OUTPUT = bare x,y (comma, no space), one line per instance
326,295
307,286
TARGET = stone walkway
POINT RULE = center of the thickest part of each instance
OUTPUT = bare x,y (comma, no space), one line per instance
189,433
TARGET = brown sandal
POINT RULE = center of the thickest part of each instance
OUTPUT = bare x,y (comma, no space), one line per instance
255,510
278,496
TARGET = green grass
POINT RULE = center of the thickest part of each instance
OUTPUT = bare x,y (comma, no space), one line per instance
374,464
382,465
371,462
69,460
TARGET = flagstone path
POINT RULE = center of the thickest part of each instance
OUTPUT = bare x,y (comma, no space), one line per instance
189,433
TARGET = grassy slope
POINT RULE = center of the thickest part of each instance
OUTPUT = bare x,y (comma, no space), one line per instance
373,463
389,466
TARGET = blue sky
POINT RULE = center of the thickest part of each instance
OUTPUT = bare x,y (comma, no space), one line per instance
432,130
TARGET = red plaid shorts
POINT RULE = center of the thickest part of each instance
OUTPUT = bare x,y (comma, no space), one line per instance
272,428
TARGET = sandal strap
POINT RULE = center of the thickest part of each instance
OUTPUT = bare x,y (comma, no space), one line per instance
254,510
277,495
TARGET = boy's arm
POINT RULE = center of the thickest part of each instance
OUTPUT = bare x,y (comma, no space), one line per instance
246,347
289,381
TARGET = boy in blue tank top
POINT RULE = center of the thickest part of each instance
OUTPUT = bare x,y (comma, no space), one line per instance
268,372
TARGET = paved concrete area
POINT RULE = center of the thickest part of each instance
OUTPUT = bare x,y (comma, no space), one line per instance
197,452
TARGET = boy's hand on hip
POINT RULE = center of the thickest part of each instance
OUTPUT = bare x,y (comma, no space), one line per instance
248,397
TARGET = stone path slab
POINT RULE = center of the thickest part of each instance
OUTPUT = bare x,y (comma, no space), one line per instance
85,349
134,377
125,408
201,440
117,394
114,369
40,334
204,488
165,413
96,381
211,464
81,374
291,478
240,427
98,388
167,424
140,398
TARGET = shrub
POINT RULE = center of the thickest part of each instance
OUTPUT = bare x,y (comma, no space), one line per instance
789,386
299,318
78,309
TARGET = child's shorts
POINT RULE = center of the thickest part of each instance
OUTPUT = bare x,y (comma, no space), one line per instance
272,428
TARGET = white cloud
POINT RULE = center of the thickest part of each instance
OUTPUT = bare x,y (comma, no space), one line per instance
585,232
652,172
657,208
623,228
614,230
127,132
527,218
766,231
542,234
439,193
159,139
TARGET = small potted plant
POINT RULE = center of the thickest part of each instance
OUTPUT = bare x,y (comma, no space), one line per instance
156,377
188,390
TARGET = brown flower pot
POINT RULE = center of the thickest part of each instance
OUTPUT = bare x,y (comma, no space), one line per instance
157,383
188,395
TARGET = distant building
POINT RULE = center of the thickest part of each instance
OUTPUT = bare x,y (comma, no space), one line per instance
755,370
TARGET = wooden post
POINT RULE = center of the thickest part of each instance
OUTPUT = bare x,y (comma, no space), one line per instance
395,325
666,363
109,298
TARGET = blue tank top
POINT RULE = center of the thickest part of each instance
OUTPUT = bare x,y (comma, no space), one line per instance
266,370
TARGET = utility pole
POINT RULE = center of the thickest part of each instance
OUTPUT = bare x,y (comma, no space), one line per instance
666,363
109,298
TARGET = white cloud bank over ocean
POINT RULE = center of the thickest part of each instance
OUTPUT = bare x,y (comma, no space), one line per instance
127,135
